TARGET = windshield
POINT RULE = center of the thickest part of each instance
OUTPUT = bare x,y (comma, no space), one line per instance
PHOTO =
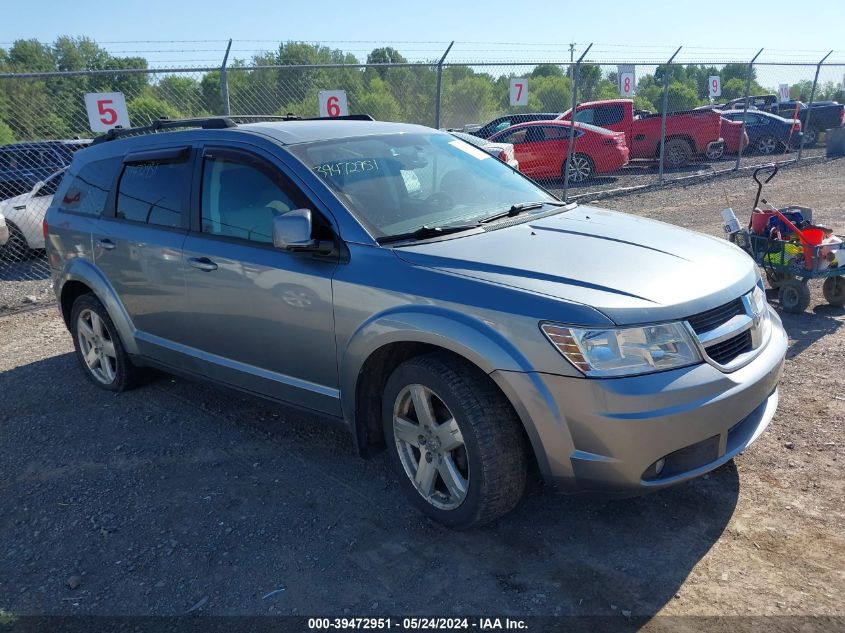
397,183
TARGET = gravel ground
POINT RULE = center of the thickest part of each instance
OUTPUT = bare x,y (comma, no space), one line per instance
179,497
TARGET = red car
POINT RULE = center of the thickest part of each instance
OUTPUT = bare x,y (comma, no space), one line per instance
732,133
541,148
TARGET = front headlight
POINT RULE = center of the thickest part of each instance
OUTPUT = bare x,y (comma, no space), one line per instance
626,351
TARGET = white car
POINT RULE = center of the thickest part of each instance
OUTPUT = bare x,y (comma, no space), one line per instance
4,231
502,151
23,217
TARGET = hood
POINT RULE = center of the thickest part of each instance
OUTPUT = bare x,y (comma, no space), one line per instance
632,269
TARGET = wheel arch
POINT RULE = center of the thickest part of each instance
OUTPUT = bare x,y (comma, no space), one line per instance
383,343
80,277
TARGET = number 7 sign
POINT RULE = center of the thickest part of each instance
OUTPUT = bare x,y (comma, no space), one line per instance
106,110
519,92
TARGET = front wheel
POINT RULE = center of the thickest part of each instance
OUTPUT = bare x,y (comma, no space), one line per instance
454,440
794,295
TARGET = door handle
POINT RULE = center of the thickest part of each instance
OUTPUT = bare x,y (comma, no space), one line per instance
203,263
106,244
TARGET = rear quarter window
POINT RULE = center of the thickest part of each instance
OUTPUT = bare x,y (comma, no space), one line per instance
89,188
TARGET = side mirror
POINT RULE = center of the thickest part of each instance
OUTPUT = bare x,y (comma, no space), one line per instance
292,231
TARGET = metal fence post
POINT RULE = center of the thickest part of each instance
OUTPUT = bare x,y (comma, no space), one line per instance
663,114
747,103
571,142
438,91
810,104
224,80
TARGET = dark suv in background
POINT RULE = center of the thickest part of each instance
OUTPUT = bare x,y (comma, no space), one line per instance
22,165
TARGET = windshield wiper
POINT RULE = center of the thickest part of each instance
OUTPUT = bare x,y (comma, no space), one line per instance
520,207
426,232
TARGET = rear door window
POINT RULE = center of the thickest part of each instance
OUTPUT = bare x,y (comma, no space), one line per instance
154,193
608,115
90,186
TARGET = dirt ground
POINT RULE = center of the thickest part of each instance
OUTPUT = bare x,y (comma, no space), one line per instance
178,498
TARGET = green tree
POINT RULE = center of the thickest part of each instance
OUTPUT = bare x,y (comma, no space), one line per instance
146,108
377,101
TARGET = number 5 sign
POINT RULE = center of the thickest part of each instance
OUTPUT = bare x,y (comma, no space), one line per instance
333,103
715,86
106,110
519,92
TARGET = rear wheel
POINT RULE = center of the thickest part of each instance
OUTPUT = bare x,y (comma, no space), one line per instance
794,295
834,291
454,440
811,137
98,347
775,279
580,169
767,145
676,153
715,151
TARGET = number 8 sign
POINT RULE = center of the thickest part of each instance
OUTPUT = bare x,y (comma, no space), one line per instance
626,84
106,110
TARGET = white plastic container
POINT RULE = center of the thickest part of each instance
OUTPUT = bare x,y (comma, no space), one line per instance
729,221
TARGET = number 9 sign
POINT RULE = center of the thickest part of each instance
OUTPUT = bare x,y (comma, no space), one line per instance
715,86
106,110
626,84
333,103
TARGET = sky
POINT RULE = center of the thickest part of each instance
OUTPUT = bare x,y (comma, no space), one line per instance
193,33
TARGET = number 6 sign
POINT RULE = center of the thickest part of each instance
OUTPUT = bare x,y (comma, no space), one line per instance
333,103
519,92
106,110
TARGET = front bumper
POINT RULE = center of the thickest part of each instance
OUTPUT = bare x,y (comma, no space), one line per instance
607,435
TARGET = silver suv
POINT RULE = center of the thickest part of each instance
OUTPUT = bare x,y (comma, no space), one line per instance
437,302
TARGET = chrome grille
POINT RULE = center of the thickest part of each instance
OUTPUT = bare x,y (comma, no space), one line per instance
724,352
706,321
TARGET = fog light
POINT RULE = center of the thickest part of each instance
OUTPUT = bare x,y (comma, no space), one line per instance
658,465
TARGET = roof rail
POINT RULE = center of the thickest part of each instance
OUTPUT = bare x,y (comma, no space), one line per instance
215,123
207,123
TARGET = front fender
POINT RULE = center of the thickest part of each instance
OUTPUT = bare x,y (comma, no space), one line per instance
84,271
461,334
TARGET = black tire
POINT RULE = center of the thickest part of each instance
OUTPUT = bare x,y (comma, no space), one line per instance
126,375
16,248
676,153
794,296
767,145
582,168
834,291
493,446
715,153
811,137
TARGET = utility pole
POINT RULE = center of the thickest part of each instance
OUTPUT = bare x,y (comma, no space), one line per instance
572,52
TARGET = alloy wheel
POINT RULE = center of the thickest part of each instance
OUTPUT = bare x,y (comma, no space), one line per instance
96,346
431,447
767,145
579,169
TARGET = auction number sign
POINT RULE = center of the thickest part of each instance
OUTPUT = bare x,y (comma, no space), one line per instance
106,110
715,86
333,103
519,91
626,84
783,92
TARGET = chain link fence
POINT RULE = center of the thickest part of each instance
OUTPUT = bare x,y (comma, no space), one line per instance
636,124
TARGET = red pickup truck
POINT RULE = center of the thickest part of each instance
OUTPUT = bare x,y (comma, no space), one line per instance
688,134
